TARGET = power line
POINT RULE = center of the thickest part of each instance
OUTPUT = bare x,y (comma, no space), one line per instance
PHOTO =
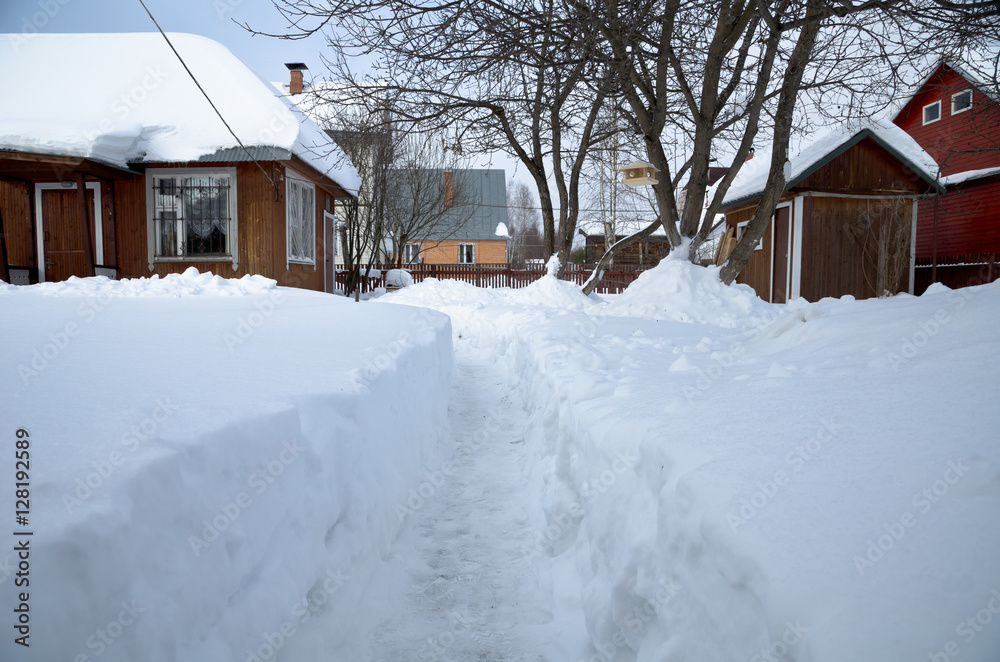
207,98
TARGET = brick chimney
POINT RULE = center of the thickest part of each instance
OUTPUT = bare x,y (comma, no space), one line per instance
449,190
750,155
296,69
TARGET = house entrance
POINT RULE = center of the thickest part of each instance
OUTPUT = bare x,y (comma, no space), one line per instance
61,240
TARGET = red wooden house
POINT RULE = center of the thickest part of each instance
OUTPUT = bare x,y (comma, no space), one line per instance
955,116
113,162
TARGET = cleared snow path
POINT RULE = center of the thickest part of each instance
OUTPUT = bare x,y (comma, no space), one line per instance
471,590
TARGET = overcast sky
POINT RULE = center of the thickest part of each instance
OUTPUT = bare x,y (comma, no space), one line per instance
215,19
209,18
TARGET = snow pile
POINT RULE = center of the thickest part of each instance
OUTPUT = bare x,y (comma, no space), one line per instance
134,101
678,290
398,278
213,463
552,292
191,282
821,486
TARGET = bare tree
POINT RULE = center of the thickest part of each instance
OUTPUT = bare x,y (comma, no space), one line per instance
532,78
370,143
728,75
513,77
522,224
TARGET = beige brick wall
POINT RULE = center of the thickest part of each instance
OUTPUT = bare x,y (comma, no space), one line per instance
487,251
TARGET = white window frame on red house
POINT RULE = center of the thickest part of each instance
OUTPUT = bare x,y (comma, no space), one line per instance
300,219
923,114
958,94
471,253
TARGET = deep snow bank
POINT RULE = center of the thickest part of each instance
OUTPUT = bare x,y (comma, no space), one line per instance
213,462
803,482
675,290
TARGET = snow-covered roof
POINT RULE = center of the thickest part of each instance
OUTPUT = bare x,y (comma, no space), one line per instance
123,99
969,175
813,152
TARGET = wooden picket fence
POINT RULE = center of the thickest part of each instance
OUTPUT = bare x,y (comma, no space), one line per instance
615,279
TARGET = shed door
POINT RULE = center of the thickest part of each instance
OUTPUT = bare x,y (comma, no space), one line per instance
779,280
62,233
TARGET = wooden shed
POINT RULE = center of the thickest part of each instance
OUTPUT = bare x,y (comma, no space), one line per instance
845,224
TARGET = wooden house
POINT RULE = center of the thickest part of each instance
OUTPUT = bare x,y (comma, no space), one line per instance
954,115
845,222
140,175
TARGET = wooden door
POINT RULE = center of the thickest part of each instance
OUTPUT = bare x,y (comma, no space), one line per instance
63,239
779,256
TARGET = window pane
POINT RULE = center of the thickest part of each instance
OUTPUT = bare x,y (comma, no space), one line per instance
166,233
301,212
195,206
932,112
961,101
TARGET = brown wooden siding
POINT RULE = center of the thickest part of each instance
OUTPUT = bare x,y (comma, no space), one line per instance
838,250
19,234
757,273
866,168
260,209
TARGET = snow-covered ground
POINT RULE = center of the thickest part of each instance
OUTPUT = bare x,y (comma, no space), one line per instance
740,481
678,473
212,461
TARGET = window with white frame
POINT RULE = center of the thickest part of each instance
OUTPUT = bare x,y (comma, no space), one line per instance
466,253
741,229
411,253
300,218
191,213
932,112
961,102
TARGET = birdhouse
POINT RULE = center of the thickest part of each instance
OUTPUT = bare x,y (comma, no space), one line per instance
639,173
